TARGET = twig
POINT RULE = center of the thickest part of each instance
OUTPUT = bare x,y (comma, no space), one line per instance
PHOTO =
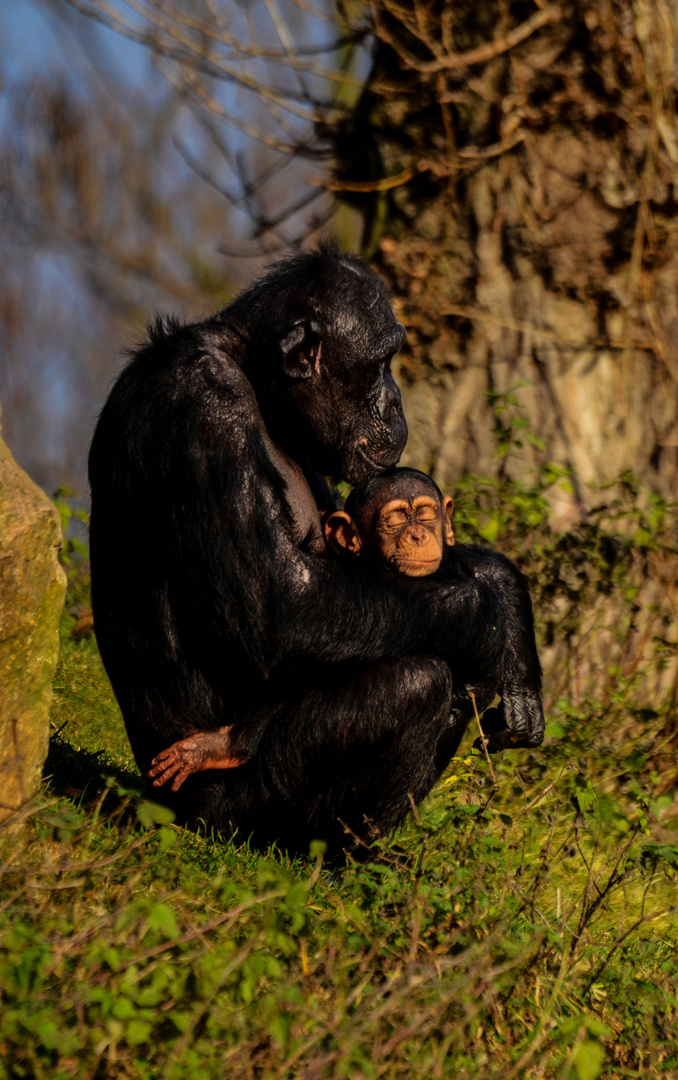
542,794
483,740
385,184
479,55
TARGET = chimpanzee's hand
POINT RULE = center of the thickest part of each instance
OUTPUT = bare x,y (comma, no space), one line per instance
517,722
199,751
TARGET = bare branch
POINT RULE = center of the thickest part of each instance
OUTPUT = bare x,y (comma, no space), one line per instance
480,54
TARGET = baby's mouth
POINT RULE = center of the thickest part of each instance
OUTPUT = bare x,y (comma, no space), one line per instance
415,564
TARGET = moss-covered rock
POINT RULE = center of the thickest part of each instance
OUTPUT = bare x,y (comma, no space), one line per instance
32,587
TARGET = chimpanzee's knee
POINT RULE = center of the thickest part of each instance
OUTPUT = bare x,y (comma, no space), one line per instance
420,690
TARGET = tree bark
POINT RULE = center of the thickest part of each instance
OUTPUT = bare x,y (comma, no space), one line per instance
516,167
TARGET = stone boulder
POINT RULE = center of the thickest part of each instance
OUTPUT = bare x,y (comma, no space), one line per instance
32,587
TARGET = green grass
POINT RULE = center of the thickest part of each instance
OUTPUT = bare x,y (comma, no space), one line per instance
84,700
524,931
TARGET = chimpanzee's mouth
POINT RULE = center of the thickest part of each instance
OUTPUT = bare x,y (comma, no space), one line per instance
389,459
416,562
370,461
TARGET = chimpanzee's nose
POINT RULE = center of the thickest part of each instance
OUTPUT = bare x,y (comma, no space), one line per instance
417,534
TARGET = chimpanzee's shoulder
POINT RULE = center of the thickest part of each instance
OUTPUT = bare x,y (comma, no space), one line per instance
179,362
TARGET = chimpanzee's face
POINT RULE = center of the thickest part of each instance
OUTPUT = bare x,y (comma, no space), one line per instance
399,519
345,401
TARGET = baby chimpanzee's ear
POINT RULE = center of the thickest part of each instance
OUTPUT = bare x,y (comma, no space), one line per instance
341,534
448,531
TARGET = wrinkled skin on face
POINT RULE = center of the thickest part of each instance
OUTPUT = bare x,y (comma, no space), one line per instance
404,524
326,391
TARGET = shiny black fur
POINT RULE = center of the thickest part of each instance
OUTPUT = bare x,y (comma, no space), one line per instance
213,600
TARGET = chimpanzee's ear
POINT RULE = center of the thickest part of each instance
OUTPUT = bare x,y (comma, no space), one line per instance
341,534
448,531
300,350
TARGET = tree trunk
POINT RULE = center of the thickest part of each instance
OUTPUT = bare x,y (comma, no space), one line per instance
519,192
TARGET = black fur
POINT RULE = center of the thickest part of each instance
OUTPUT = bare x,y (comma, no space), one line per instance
213,602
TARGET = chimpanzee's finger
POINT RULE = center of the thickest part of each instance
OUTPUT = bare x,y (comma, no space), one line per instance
158,767
179,779
164,755
166,773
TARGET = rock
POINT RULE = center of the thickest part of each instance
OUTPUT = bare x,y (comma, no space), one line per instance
32,588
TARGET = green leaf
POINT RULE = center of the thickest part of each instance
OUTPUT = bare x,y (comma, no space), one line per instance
296,897
123,1009
167,838
588,1059
490,531
279,1027
150,814
554,730
585,794
658,806
643,538
535,441
138,1032
112,958
162,918
653,853
48,1034
181,1020
597,1027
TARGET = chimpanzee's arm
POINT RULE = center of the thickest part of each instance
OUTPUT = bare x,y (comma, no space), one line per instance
521,682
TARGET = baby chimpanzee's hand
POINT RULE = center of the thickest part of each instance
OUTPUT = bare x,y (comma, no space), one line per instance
199,751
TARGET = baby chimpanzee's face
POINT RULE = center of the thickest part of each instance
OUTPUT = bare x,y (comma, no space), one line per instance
405,523
408,532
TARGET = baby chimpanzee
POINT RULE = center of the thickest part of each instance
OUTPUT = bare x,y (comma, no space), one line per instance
401,519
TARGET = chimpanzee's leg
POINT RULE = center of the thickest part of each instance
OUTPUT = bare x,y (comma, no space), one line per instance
354,751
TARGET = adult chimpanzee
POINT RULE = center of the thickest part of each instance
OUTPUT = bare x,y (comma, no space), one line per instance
213,603
401,519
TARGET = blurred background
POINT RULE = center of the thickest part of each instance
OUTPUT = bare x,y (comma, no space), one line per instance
511,168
